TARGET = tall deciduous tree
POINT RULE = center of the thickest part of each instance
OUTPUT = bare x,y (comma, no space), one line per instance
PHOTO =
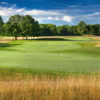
45,30
15,19
72,30
15,30
29,26
37,29
52,29
14,22
1,25
62,30
89,29
8,29
81,27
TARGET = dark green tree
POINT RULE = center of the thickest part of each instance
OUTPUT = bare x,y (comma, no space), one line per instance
15,19
72,30
62,30
52,29
89,30
81,27
8,29
29,26
95,29
36,29
14,22
15,30
1,25
45,30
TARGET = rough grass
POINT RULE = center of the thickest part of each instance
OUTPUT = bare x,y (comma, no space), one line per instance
81,87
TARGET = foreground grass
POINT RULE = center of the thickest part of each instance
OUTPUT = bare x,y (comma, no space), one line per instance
36,70
47,87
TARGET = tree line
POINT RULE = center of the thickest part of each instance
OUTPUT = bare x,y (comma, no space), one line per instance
65,30
25,26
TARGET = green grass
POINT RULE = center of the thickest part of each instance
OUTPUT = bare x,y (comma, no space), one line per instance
40,46
78,55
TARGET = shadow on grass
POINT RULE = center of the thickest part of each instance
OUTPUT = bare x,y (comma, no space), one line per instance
7,45
53,39
3,45
62,39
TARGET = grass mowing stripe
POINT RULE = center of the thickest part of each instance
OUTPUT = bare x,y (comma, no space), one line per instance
44,46
50,61
72,59
86,49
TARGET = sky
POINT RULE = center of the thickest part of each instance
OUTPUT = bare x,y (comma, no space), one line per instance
58,12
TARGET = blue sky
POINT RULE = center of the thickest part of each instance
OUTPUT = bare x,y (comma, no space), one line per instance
58,12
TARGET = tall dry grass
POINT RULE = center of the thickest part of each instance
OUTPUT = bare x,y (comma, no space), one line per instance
50,88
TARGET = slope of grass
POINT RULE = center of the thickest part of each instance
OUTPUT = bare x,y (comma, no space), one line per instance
49,61
78,55
41,46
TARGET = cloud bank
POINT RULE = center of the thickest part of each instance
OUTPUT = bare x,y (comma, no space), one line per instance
70,17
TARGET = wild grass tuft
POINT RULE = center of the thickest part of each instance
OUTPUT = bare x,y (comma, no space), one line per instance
28,87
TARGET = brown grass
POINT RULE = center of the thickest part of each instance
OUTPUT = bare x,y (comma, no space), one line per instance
96,37
51,88
21,38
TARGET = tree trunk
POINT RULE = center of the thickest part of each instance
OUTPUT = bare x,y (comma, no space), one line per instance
23,38
26,38
15,37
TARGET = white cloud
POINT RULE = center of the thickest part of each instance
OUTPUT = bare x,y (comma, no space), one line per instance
39,15
20,10
48,16
88,16
96,13
40,19
67,18
40,12
3,13
14,5
56,18
3,3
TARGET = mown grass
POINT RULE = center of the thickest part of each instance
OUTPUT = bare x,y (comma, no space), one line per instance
78,55
87,48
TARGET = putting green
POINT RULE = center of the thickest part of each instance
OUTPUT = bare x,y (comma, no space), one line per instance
43,46
38,55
